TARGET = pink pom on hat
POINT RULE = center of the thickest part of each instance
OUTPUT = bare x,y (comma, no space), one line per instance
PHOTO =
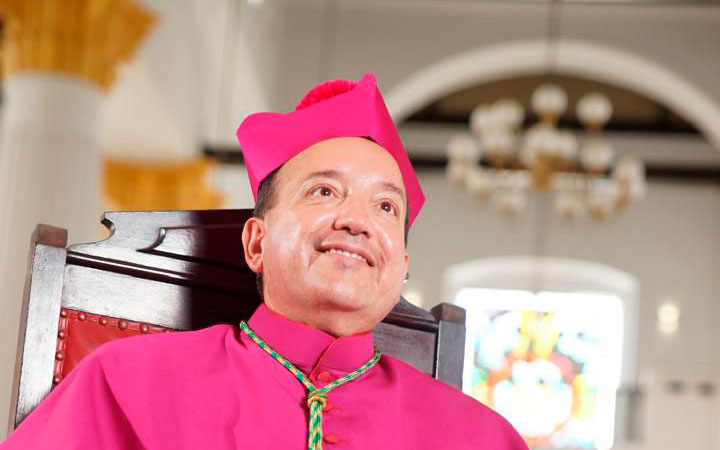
340,108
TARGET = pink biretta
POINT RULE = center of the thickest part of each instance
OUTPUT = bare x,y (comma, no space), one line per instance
216,389
340,108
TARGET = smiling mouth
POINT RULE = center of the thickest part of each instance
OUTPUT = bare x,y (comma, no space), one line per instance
334,251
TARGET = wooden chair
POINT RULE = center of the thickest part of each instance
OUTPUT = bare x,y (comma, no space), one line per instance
161,271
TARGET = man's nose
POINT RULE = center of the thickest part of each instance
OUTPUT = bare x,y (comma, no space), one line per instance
352,215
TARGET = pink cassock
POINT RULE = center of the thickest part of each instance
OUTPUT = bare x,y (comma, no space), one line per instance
216,389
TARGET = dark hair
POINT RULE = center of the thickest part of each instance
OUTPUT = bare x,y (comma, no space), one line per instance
266,200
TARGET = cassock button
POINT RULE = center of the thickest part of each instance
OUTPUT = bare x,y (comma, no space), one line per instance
331,438
325,377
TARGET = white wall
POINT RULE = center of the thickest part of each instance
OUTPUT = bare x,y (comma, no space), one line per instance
397,39
670,242
195,77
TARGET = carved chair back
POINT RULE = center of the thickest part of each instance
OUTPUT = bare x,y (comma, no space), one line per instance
161,271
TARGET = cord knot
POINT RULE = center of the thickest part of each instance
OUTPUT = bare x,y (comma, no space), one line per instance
317,396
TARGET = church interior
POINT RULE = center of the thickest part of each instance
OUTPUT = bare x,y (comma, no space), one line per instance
569,151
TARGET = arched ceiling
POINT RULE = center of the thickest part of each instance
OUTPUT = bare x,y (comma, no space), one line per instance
631,111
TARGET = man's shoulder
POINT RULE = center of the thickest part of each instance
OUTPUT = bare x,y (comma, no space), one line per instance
455,412
176,344
165,361
432,390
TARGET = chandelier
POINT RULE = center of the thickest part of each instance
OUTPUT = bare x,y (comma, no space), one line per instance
498,161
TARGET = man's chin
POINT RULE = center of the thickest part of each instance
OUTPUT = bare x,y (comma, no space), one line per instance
342,296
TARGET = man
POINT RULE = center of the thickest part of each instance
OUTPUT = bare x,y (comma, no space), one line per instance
335,196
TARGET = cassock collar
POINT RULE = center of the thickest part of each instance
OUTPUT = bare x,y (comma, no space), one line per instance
306,346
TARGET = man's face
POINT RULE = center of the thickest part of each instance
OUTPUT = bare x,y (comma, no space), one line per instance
331,248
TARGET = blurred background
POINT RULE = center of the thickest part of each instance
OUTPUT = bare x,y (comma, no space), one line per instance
569,151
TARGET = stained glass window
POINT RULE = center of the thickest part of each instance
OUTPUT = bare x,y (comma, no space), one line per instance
549,362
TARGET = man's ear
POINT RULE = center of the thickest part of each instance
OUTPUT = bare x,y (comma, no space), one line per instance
252,236
407,262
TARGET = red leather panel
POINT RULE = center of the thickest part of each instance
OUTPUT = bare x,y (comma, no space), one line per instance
79,333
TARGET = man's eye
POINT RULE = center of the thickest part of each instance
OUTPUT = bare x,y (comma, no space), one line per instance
322,191
388,207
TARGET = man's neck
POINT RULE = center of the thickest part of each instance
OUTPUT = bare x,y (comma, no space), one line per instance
336,323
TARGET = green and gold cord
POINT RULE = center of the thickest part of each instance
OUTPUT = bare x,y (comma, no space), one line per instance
316,398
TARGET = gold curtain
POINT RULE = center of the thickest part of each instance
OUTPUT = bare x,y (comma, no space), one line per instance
130,185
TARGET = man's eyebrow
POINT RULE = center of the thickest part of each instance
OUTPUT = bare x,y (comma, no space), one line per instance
393,188
386,185
324,174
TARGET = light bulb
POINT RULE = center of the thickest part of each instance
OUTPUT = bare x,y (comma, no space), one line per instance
549,99
509,113
479,182
630,174
463,148
567,148
456,172
499,142
594,110
602,199
596,155
483,120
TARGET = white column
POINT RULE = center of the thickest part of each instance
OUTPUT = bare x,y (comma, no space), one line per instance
49,173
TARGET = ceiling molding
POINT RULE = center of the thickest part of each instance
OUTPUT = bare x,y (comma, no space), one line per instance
655,172
588,60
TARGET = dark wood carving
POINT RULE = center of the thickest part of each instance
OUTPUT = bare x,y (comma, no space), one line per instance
450,343
38,320
173,270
